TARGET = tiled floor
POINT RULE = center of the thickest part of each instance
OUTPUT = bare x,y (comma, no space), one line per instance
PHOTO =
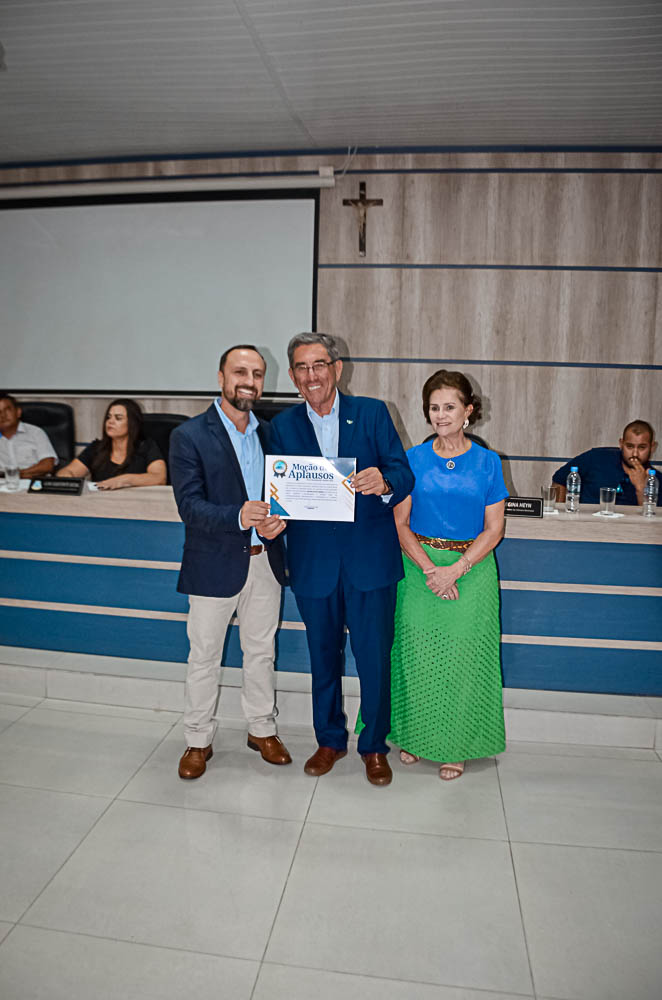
537,876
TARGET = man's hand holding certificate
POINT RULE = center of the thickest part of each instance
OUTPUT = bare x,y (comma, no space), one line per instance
310,489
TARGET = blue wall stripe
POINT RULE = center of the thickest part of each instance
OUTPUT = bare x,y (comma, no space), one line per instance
136,638
582,616
504,364
504,170
91,182
92,536
104,635
610,563
539,667
329,151
559,668
395,266
100,586
547,458
143,588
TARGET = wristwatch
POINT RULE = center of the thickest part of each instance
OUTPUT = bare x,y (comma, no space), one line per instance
388,488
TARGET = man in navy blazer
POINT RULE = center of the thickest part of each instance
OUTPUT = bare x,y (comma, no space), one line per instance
233,560
345,573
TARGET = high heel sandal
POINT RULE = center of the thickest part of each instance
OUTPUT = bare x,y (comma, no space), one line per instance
457,770
408,758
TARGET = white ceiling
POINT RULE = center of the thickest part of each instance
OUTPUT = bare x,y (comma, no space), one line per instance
97,78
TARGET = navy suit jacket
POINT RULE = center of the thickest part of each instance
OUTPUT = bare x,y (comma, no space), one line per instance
210,491
367,549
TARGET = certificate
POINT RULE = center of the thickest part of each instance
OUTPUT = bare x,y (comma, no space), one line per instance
310,489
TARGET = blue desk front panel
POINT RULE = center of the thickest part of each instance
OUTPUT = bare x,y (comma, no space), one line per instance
535,613
137,638
107,537
612,563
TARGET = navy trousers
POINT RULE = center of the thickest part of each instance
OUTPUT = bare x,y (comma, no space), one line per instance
368,615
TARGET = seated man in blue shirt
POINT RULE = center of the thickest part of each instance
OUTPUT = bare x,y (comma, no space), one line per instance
624,467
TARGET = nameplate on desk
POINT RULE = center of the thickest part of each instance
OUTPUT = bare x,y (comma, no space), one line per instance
63,487
524,507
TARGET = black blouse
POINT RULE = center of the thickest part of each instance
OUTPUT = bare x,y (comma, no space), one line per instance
145,453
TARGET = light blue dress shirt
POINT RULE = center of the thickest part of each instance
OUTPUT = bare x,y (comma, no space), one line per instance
326,429
250,456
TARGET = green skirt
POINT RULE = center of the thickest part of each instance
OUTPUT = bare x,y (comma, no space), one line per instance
446,694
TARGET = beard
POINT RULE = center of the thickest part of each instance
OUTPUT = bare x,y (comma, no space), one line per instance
241,402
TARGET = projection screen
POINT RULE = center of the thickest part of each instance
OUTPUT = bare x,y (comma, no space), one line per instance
142,295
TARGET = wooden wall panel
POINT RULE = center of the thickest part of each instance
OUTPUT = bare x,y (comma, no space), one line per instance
89,410
223,165
590,316
551,219
555,220
529,413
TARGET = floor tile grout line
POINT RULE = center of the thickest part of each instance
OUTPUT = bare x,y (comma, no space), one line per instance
87,834
414,982
68,858
413,833
311,822
109,715
517,892
147,759
28,710
130,941
285,884
211,812
586,756
102,715
39,698
54,791
588,847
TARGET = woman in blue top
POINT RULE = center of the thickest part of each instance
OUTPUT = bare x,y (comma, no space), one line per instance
446,672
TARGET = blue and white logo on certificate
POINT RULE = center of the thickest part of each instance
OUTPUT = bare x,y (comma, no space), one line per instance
310,489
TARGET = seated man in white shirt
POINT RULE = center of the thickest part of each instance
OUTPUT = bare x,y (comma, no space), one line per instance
23,446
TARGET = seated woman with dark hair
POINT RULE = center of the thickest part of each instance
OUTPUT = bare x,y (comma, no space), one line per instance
122,456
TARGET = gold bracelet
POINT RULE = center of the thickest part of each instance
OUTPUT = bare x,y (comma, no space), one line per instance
464,559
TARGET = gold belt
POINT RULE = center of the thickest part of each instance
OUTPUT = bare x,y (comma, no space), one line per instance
445,543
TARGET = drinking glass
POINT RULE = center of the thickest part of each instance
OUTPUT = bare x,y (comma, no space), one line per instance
548,499
607,500
12,477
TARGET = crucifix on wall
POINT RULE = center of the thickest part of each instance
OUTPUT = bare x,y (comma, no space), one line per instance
362,204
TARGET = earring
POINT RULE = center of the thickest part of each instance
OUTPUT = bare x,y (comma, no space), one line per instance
465,424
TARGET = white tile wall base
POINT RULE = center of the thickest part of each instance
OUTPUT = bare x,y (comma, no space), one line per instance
532,716
536,726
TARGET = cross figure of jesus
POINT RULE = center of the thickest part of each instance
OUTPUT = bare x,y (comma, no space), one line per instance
362,204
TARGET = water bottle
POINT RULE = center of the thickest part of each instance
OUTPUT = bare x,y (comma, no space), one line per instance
573,485
650,494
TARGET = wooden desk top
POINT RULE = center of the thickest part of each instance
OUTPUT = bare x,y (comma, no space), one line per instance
157,503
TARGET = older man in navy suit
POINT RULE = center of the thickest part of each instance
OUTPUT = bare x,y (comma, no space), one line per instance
233,561
345,573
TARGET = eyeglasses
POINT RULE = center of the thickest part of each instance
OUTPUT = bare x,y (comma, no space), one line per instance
317,368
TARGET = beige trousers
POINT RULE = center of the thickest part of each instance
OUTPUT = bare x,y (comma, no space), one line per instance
257,606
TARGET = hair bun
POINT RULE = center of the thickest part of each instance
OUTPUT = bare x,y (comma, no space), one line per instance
477,411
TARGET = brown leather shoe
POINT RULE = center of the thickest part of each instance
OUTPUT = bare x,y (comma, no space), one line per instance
194,762
377,768
323,760
272,749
